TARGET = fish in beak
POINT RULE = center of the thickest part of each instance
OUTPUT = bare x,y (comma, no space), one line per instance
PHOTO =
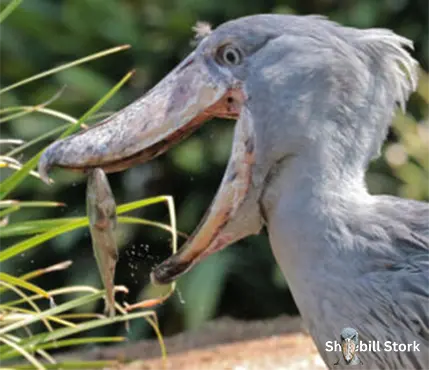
201,87
101,210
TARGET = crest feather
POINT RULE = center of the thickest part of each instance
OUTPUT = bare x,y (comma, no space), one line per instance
202,30
400,67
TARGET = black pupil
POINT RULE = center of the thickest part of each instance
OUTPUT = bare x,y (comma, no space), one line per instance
231,57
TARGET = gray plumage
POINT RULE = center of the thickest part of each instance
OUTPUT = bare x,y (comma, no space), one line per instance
322,99
314,101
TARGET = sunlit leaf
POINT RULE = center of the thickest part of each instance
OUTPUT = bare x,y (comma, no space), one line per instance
23,284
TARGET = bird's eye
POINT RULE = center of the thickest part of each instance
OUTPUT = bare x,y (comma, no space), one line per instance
230,55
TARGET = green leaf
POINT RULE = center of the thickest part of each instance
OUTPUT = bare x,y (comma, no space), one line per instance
34,227
24,284
38,239
8,10
28,356
80,341
9,211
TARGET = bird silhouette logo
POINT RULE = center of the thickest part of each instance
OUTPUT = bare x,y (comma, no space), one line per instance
350,345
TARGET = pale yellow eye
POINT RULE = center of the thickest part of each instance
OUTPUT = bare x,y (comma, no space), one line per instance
230,55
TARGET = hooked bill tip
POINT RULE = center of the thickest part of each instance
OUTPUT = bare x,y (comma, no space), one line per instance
46,162
44,170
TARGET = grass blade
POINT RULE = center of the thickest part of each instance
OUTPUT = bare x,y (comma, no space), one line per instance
143,203
17,168
14,180
57,292
39,272
34,227
8,10
37,340
12,280
38,139
80,341
143,221
82,222
28,300
24,313
38,239
57,130
29,204
51,312
11,142
65,66
8,211
30,358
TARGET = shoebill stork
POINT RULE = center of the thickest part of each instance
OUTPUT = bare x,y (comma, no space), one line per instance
312,101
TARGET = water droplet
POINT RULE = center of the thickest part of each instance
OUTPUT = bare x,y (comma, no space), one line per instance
179,295
52,303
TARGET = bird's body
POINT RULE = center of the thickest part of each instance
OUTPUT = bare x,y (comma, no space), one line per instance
314,101
372,272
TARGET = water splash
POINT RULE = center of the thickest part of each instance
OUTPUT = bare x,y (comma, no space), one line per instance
179,295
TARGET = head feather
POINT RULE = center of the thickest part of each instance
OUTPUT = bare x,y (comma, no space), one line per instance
399,67
202,30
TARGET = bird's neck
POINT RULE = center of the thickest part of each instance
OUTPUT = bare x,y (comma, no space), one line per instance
315,184
308,203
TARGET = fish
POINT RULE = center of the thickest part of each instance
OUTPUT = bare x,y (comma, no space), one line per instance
101,211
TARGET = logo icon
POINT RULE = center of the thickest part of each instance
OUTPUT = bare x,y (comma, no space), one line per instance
349,346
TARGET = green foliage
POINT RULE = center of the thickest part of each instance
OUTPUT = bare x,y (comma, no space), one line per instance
33,325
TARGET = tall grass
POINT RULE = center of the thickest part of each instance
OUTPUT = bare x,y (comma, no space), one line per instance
23,306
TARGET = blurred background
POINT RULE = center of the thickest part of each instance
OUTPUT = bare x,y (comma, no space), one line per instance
242,281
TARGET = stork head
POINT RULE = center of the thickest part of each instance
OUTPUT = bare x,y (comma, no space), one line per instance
291,83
